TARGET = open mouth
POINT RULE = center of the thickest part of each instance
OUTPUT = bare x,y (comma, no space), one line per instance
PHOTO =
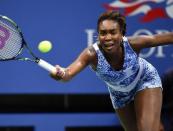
108,45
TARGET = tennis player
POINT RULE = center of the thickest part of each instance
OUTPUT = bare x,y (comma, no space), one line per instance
134,84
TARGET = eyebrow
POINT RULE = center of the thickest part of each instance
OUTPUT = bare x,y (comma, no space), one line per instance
108,30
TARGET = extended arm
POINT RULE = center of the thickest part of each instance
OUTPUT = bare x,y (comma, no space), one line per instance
143,41
84,59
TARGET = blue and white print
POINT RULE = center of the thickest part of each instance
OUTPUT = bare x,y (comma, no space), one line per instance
136,74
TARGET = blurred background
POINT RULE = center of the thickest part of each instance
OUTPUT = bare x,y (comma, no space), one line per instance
31,101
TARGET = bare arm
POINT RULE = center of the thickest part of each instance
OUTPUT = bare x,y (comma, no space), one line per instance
84,59
144,41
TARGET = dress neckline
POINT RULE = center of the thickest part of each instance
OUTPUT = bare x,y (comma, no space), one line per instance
124,59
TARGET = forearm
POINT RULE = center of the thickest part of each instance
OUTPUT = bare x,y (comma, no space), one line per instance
66,74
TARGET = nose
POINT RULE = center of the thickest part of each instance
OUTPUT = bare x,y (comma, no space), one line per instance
108,37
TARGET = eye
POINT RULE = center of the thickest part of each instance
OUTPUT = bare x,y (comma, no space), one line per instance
113,32
102,33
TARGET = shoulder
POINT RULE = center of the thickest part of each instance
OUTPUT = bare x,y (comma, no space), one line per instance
88,54
138,42
133,42
89,51
92,56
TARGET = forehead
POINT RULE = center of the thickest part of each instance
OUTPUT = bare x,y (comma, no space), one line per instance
108,25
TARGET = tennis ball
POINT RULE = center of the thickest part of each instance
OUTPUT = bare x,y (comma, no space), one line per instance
45,46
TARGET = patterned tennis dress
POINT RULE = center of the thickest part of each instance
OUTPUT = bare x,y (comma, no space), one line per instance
137,74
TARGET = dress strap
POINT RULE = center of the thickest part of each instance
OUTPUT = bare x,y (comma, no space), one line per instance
95,45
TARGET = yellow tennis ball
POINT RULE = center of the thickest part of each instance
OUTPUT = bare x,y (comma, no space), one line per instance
45,46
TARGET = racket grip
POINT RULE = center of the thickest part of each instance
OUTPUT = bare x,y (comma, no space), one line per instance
45,65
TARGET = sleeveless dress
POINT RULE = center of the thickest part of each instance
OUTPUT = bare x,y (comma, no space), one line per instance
137,74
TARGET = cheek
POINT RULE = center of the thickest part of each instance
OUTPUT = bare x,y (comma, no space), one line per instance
101,39
115,38
118,39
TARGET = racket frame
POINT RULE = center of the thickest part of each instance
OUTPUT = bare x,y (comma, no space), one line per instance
42,63
23,45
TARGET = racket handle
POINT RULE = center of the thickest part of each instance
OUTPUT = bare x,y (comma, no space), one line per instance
46,66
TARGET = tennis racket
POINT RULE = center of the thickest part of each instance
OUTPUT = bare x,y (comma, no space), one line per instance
12,44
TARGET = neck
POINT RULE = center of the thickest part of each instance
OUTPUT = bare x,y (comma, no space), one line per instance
116,59
118,55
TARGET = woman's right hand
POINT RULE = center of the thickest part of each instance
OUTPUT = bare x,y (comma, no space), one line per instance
59,74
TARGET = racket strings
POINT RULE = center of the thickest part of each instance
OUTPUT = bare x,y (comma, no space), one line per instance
12,46
8,25
11,50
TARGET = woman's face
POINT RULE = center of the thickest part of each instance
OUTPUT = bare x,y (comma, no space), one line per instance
110,36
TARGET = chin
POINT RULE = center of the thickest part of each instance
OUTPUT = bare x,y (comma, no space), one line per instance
110,51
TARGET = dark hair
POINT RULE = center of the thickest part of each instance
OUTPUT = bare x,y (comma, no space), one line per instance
115,16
